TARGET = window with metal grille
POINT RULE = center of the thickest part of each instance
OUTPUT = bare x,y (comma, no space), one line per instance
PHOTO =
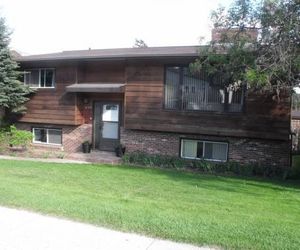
199,91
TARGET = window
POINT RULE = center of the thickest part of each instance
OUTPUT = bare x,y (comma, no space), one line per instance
187,91
39,78
47,136
207,150
110,119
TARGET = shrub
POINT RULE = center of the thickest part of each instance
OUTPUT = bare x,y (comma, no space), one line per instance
4,138
162,161
19,137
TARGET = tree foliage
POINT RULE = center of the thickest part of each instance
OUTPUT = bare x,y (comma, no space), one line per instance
139,43
272,60
13,93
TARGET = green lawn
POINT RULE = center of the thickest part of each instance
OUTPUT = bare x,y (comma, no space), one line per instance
200,209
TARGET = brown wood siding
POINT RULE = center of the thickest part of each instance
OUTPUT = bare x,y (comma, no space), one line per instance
144,97
97,72
53,105
104,72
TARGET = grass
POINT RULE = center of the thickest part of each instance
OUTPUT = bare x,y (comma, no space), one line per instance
200,209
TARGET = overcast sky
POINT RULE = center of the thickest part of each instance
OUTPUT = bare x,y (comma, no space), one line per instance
56,25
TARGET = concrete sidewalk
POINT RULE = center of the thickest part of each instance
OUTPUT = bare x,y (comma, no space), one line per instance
54,160
22,230
80,158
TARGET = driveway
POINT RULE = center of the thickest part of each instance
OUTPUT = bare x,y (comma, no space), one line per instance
23,230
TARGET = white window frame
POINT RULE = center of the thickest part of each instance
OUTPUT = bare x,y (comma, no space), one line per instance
204,142
40,70
47,136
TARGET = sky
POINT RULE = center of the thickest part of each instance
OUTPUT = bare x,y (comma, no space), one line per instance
41,26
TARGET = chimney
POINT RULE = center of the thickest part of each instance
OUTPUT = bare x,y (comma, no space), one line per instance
14,54
218,34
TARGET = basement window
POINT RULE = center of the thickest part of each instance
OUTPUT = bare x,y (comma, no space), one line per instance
47,136
39,78
204,150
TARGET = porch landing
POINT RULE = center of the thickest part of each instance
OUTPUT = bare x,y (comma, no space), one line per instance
95,157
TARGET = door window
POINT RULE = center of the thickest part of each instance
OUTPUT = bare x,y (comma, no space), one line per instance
110,113
110,119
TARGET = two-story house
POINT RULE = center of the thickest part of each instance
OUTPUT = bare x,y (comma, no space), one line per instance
148,100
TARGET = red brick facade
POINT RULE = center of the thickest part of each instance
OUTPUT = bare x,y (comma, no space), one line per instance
240,150
72,136
218,33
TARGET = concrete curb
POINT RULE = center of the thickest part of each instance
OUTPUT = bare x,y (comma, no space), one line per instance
6,157
25,230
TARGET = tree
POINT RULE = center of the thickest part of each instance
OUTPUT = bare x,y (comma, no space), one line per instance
139,43
13,93
270,62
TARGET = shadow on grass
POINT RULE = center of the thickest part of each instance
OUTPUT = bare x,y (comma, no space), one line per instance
229,183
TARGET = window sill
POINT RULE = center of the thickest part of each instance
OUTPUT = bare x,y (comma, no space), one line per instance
47,145
202,159
42,87
203,112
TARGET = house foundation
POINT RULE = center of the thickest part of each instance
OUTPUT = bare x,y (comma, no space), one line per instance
72,136
241,150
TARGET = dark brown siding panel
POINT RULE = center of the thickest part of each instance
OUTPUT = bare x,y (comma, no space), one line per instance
264,117
106,72
53,106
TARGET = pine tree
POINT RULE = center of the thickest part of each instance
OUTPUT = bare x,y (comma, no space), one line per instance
139,43
13,93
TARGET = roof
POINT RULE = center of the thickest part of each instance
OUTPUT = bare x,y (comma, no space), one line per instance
148,52
96,88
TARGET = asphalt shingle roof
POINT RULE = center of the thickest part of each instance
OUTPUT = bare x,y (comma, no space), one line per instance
149,52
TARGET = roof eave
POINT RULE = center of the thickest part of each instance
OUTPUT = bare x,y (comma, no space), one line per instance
194,55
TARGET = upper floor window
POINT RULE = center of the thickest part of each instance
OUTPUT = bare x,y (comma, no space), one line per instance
187,91
40,78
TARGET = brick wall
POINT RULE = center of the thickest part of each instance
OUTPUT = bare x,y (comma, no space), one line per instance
241,150
218,33
73,136
87,112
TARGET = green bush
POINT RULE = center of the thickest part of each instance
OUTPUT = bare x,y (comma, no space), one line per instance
4,138
162,161
19,137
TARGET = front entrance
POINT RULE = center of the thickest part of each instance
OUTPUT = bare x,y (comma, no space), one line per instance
106,125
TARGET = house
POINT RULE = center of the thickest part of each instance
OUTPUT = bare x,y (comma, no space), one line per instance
146,99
